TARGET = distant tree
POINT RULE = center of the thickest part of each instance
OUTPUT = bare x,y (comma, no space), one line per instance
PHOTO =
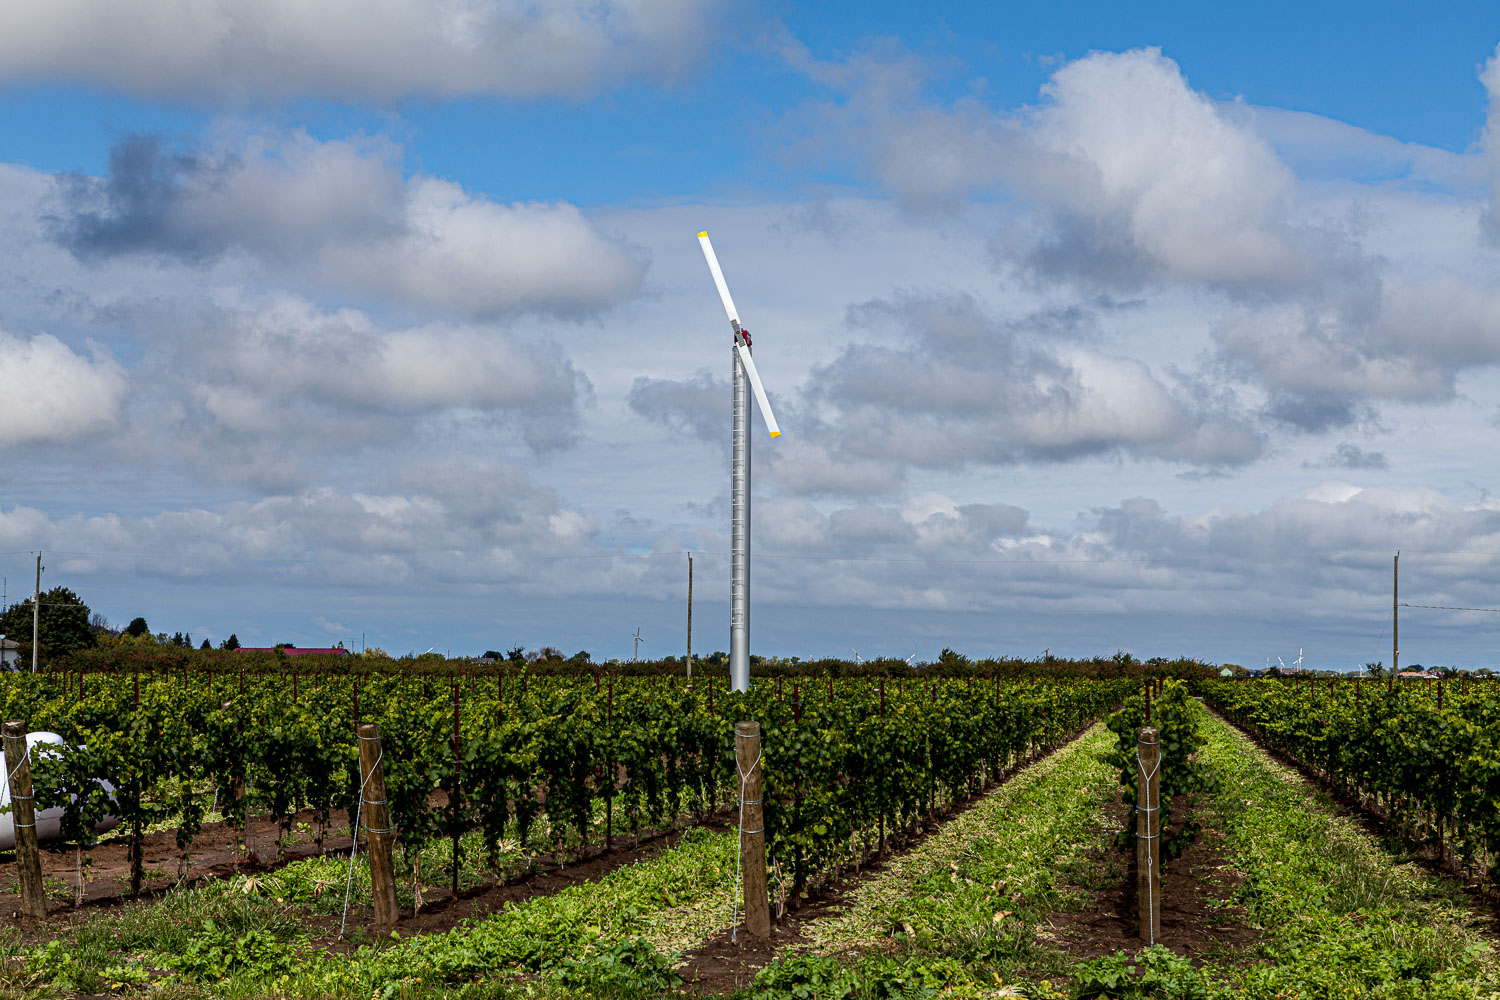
137,628
493,654
1376,669
178,639
233,642
582,656
62,625
206,645
516,654
952,658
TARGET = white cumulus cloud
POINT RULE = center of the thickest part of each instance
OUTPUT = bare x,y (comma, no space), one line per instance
223,50
342,214
52,393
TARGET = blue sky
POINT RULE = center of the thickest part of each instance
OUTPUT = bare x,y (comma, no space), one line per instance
1389,68
1091,327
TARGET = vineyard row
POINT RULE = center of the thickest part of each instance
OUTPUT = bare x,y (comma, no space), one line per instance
568,760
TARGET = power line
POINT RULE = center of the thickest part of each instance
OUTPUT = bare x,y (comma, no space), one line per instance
1444,607
921,559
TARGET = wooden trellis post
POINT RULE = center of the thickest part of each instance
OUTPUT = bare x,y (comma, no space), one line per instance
377,821
752,828
23,818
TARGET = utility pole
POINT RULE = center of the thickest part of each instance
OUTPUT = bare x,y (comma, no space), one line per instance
1395,618
690,622
36,610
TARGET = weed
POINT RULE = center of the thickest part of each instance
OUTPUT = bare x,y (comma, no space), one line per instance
629,968
1152,974
216,952
804,977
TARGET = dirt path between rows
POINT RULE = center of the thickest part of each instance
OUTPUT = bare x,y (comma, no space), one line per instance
1195,920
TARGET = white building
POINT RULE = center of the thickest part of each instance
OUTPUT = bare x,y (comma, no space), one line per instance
10,652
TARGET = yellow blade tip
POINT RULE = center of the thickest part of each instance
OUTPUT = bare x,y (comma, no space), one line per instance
776,434
703,234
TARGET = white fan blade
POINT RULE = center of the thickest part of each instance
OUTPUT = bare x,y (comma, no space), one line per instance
758,389
713,266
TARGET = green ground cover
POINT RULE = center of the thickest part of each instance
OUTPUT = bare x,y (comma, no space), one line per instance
1342,916
960,912
613,937
1339,916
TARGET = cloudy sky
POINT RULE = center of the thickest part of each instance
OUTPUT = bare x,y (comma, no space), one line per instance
1088,329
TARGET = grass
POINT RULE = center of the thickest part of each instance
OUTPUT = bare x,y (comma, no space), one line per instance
249,937
1343,917
960,912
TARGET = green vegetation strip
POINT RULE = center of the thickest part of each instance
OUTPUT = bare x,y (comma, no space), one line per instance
606,938
958,912
1342,917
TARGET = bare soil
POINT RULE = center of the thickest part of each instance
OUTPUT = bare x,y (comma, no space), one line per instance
1195,920
212,854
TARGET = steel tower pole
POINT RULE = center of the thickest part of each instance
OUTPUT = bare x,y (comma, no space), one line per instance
739,532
